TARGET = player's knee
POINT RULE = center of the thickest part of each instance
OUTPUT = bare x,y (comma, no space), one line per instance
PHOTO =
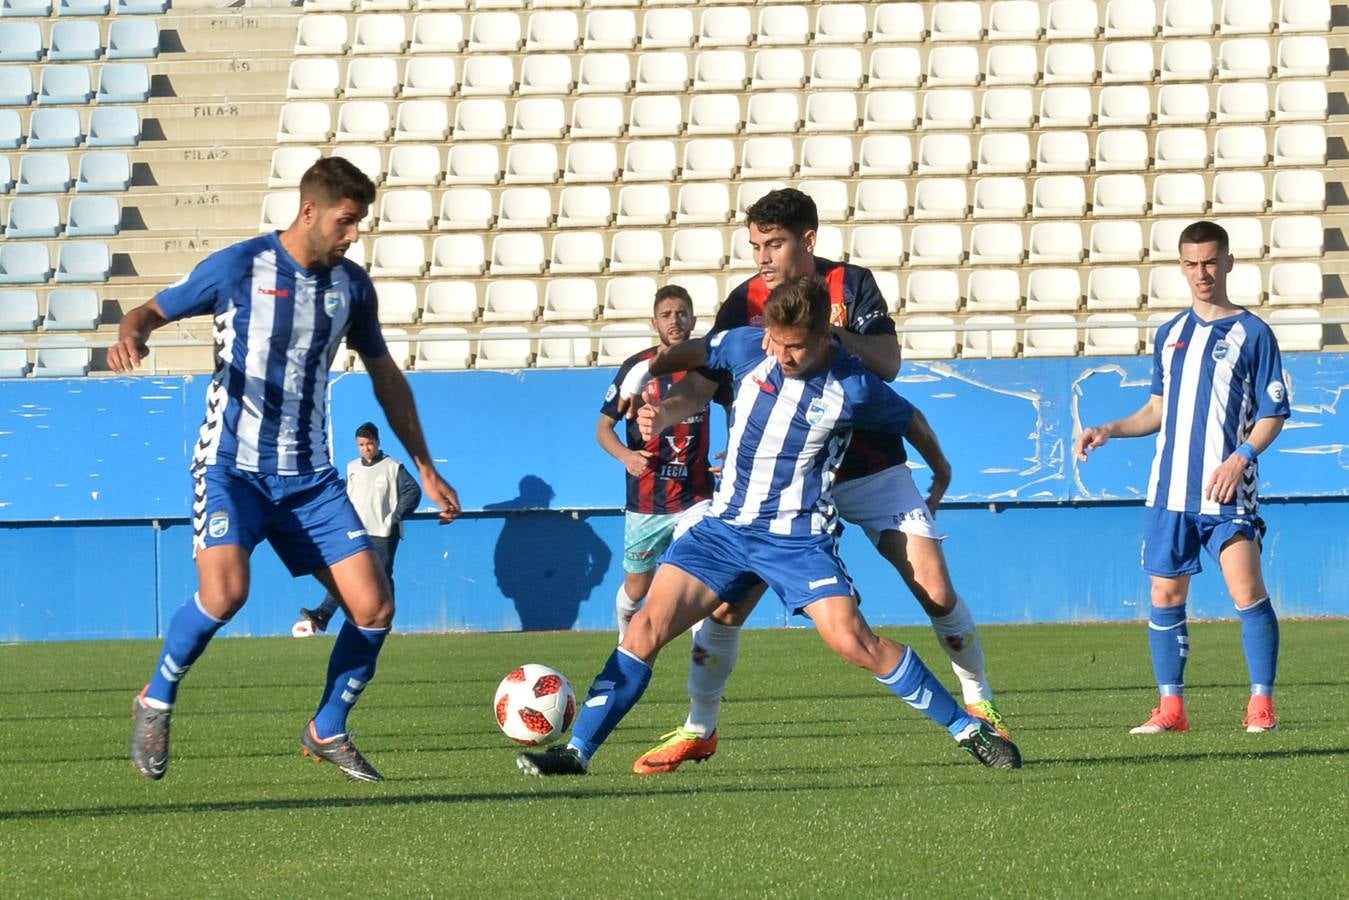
1166,594
727,614
643,640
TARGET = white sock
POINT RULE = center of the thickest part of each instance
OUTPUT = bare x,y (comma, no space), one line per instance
960,639
715,649
626,607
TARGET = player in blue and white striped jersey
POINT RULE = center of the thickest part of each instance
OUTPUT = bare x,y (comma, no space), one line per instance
282,302
1218,401
798,395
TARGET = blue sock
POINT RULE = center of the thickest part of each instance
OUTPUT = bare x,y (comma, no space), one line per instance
1169,638
1260,640
190,630
915,685
614,691
350,668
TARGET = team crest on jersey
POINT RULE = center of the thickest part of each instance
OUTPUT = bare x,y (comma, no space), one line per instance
756,321
817,410
333,301
1220,351
610,394
218,525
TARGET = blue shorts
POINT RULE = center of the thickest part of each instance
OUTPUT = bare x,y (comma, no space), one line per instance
1172,540
307,518
732,561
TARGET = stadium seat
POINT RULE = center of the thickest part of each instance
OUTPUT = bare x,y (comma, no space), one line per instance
577,252
1300,145
1051,341
925,344
539,117
831,111
665,72
1242,102
894,67
1119,195
367,159
1304,57
1130,18
876,246
778,25
1293,101
465,209
43,173
26,8
1114,287
714,113
363,120
1120,105
511,300
113,127
442,354
629,297
397,302
1068,63
1056,196
1244,58
954,66
697,249
517,254
1244,285
1116,242
1295,283
742,254
887,283
830,196
838,24
94,217
279,209
567,299
1000,198
1007,108
381,34
637,251
829,242
437,33
61,362
33,217
1014,20
19,310
884,155
24,263
450,301
933,244
312,77
473,164
946,109
991,344
1299,191
591,161
667,29
1055,242
1163,240
720,70
1014,64
1066,151
956,21
1239,146
1184,17
1182,148
141,7
82,261
1304,15
1168,289
133,39
422,120
123,83
644,204
1246,17
21,42
610,29
74,40
1178,193
747,193
1295,329
996,244
940,198
597,117
704,290
898,23
703,204
487,76
557,349
304,122
887,111
1071,19
1246,236
993,290
1115,150
1238,192
1183,104
1003,154
1068,107
480,120
398,256
656,116
553,30
649,160
709,159
375,76
1296,236
64,86
932,291
546,74
779,68
1104,340
769,157
321,35
605,73
58,128
11,129
1186,61
615,349
410,209
826,156
944,154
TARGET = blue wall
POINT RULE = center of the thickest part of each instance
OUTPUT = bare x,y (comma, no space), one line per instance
94,539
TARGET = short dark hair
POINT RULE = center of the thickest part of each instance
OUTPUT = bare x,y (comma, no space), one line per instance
784,208
333,179
368,431
672,292
1204,232
799,303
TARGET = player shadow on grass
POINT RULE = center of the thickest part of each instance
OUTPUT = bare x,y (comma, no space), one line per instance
546,561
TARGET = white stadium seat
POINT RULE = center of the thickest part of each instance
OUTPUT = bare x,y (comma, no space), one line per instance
935,245
944,154
1130,18
1296,329
604,73
835,23
1182,148
1300,145
1051,341
597,117
530,208
321,35
437,33
830,196
995,344
363,120
1071,19
703,204
1056,242
458,254
409,209
610,29
954,66
494,32
770,113
1014,20
1239,146
590,161
443,354
1119,195
305,122
379,34
1066,107
1124,62
1185,17
1168,289
577,252
881,199
421,120
1106,341
889,111
1178,193
1183,104
783,25
831,111
726,27
466,208
777,68
517,254
546,74
506,352
1304,15
705,290
747,193
826,155
938,344
487,76
1299,191
940,198
1244,58
398,256
1057,196
1301,100
993,290
1246,17
720,70
996,244
1014,64
644,204
1053,289
901,23
480,120
1003,154
649,160
1163,239
367,159
531,164
656,116
1000,198
397,302
1295,283
1296,236
289,164
1114,287
952,108
697,248
885,155
1244,285
450,301
932,291
1116,242
1238,192
539,117
313,78
836,67
767,157
1069,64
709,159
957,20
614,350
554,30
1065,151
372,77
558,349
892,67
1242,102
584,207
1122,105
719,113
637,251
629,297
430,76
876,246
1187,61
662,72
1304,57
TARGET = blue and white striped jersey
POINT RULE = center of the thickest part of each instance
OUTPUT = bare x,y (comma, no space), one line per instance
278,327
1215,380
787,435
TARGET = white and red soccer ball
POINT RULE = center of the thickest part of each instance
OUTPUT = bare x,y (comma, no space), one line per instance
534,704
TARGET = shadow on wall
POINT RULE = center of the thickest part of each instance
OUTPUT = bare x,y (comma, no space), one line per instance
547,562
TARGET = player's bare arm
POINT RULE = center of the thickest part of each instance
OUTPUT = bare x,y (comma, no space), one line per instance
878,352
682,357
395,398
1145,421
635,461
130,349
924,440
1222,487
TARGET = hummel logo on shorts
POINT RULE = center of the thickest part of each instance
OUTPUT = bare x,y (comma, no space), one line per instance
832,579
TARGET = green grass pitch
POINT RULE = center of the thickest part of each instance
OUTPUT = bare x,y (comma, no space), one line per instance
825,783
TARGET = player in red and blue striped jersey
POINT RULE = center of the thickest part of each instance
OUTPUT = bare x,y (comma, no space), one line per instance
798,396
282,303
1218,401
666,475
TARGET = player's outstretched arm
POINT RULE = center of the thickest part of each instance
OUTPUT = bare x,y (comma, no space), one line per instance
923,439
132,333
878,352
1145,421
400,409
1222,486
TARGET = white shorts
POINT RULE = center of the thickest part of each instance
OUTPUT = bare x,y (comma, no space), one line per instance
886,501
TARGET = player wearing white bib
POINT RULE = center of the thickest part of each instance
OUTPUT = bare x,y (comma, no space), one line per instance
1218,402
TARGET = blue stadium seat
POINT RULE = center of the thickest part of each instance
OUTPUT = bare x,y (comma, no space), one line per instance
113,126
16,86
65,85
72,309
6,176
33,217
94,216
133,39
18,310
81,261
124,83
57,362
21,42
58,127
142,7
11,130
82,7
25,8
13,360
24,263
107,170
75,41
43,173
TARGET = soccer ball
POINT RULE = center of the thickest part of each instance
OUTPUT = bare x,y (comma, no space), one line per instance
302,629
534,704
